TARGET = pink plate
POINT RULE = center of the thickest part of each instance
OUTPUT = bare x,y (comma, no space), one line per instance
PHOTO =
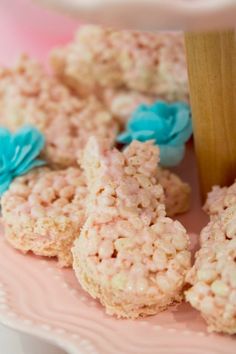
40,299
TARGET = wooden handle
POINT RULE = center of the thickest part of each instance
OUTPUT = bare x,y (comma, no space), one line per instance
212,77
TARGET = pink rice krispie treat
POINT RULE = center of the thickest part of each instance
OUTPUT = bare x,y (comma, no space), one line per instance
129,255
213,277
140,61
220,199
43,212
177,193
28,94
221,228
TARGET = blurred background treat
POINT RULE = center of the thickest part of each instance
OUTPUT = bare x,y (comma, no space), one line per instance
123,68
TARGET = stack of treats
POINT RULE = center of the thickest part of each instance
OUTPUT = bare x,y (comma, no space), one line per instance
109,213
129,255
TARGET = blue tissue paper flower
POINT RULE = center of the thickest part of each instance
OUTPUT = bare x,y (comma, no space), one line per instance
168,124
18,153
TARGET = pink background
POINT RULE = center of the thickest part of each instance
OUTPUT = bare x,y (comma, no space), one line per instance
27,27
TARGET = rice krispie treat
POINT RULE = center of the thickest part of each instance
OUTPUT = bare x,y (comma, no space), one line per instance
220,228
140,61
129,255
43,212
29,95
220,199
213,277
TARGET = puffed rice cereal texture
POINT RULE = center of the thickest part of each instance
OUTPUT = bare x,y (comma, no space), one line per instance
129,255
177,193
43,212
213,276
219,199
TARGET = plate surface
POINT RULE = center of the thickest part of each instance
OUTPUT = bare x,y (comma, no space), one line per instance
40,299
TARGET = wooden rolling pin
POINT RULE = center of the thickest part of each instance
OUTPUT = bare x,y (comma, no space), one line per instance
212,76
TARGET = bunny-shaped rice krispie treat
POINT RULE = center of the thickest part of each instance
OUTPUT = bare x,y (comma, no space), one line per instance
129,255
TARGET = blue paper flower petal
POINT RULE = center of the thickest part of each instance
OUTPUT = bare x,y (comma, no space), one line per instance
181,122
27,167
142,108
145,121
32,141
149,121
171,155
183,136
5,149
18,153
161,108
28,155
178,106
168,124
124,138
3,177
5,138
143,135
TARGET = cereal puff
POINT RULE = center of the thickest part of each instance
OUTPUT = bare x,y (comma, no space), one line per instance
129,255
28,94
213,276
43,212
106,58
